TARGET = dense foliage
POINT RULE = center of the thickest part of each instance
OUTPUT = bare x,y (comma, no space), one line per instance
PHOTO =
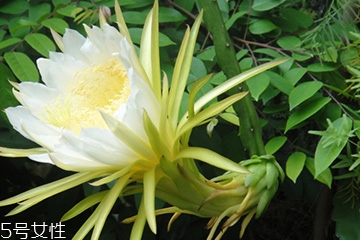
308,106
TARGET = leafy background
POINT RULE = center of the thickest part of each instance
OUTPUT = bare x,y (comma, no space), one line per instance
308,106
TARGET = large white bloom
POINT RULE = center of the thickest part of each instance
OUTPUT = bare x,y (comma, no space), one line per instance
94,76
106,114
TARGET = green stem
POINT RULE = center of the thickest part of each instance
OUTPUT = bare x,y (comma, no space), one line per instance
250,129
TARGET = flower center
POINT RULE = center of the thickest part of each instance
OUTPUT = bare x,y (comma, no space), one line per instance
102,86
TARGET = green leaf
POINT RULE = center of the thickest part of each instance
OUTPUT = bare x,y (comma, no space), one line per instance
347,217
233,19
186,4
167,14
56,24
8,42
70,10
134,17
14,7
38,11
301,57
332,143
289,42
197,69
325,177
294,75
41,43
22,66
262,26
303,92
280,83
208,54
258,84
269,52
305,111
294,165
18,27
7,98
275,144
264,5
321,67
297,17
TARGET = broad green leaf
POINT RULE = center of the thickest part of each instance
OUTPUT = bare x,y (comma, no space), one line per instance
14,6
7,98
22,66
38,11
167,14
197,69
2,33
301,57
325,177
58,2
186,4
131,4
346,216
258,84
41,43
294,165
207,54
269,52
134,17
264,5
246,63
330,54
332,143
18,28
280,82
305,111
275,144
321,67
294,75
70,10
262,26
218,78
56,24
8,42
289,42
233,19
297,17
303,92
240,54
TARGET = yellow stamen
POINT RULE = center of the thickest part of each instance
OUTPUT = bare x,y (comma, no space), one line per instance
102,86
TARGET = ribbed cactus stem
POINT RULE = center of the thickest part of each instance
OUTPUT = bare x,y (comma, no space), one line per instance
250,129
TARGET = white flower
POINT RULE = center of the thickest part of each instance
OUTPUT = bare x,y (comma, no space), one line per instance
93,76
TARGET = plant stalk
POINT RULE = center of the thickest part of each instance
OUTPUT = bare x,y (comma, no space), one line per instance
250,129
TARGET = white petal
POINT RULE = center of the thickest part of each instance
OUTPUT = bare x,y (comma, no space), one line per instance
73,41
75,162
36,95
58,71
96,145
43,134
41,158
141,98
